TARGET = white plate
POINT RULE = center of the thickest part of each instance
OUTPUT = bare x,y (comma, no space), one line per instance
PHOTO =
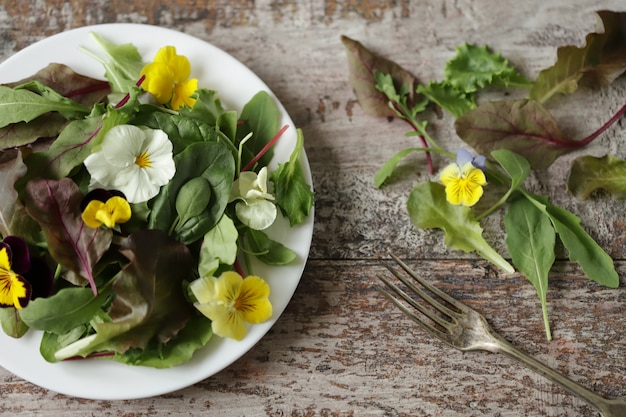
235,84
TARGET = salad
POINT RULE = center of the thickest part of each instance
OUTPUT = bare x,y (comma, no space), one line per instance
136,206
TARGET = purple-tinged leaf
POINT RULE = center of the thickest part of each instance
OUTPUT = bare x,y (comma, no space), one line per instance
522,126
599,62
11,168
55,205
362,63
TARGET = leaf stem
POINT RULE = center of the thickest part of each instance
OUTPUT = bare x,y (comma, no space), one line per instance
604,127
266,148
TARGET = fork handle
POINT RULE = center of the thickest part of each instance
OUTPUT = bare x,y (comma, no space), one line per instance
608,407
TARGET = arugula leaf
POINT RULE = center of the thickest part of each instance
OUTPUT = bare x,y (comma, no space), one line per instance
64,310
219,246
24,105
428,208
362,65
451,99
530,239
595,262
522,126
55,205
124,65
206,109
589,173
599,62
149,303
294,196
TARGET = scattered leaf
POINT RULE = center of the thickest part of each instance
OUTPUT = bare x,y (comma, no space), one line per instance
589,173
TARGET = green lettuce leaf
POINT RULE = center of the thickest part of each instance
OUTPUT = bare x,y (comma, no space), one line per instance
599,62
589,173
428,208
149,303
11,322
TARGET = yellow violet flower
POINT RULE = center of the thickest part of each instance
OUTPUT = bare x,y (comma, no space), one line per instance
14,289
231,301
166,78
463,181
114,211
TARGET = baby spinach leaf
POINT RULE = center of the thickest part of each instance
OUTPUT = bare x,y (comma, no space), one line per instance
261,117
214,162
522,126
149,301
530,239
599,62
64,310
267,250
219,246
589,173
362,64
11,322
55,205
192,199
594,261
428,208
293,195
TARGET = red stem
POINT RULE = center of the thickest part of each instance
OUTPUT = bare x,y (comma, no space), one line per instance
429,159
239,269
604,127
266,148
127,96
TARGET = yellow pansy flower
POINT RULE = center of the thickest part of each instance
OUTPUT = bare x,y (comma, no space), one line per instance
114,211
231,301
463,181
166,78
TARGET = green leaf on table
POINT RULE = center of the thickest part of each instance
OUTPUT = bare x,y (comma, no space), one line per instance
362,64
123,66
474,68
590,173
55,205
149,303
594,261
64,310
515,165
599,62
261,117
389,167
530,239
451,99
428,208
522,126
212,161
293,195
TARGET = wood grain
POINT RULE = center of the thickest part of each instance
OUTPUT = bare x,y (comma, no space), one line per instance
340,349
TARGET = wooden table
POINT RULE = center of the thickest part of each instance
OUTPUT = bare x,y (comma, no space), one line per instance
340,349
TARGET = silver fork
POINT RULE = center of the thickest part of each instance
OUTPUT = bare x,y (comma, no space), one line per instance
465,329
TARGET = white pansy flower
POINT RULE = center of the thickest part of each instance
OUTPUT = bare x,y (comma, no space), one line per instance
255,208
132,160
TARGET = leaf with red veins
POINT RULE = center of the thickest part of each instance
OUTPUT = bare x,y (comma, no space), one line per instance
522,126
55,205
362,63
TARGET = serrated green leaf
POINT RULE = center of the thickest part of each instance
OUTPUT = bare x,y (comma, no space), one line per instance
530,239
450,98
590,173
428,208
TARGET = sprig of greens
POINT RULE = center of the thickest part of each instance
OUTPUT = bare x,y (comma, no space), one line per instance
517,136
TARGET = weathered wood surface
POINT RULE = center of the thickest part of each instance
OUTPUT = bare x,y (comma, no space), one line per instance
340,349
